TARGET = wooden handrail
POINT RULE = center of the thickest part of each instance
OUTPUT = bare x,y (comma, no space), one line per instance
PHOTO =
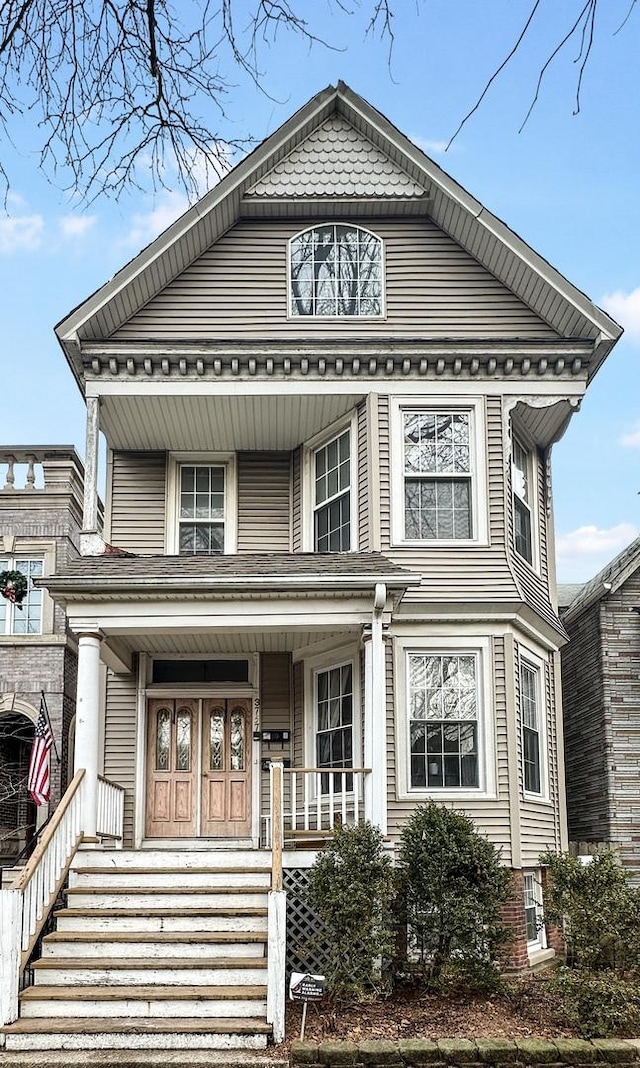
40,849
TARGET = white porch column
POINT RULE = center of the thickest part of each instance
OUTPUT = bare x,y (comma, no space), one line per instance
87,744
375,717
91,543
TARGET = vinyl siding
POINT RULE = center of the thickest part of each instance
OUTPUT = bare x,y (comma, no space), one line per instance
490,816
539,820
456,573
238,288
120,742
363,496
264,488
534,581
296,503
138,501
275,714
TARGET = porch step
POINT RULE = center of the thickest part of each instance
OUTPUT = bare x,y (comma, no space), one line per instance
208,971
143,1002
180,944
166,878
215,919
171,896
172,859
128,1034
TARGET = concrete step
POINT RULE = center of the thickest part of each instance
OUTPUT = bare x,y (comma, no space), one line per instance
168,897
177,859
143,1002
215,878
123,971
216,918
182,945
131,1034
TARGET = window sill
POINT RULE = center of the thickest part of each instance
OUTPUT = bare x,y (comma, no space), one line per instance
420,795
539,956
537,799
440,543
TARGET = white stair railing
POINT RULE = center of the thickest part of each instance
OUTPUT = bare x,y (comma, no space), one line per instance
321,798
110,810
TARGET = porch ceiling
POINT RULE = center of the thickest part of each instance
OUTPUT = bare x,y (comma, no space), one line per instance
236,643
221,423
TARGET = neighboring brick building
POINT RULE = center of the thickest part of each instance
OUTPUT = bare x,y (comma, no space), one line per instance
601,700
40,519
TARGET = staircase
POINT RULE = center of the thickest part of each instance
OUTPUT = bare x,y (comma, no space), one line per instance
156,949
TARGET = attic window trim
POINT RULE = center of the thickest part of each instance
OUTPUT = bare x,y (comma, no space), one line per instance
337,317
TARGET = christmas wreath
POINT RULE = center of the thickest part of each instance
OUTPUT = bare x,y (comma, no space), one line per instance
14,586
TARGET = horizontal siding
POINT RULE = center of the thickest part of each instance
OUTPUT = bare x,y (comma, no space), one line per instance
296,503
120,742
238,288
138,502
364,525
457,573
490,817
264,490
540,821
535,584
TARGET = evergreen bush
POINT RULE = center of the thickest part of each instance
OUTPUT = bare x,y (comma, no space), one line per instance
454,888
351,888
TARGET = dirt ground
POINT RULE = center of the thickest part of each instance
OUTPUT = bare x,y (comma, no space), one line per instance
526,1011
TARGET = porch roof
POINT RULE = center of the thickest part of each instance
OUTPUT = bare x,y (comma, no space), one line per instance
112,573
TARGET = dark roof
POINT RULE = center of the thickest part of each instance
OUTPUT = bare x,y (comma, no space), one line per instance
121,572
567,592
608,580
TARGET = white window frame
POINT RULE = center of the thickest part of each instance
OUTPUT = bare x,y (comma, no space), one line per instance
534,894
537,664
475,408
313,666
25,549
337,318
463,645
518,439
176,462
312,447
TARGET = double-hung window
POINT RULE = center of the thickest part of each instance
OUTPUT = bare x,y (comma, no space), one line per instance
26,618
443,694
531,727
336,270
533,911
334,724
201,517
521,477
439,476
332,495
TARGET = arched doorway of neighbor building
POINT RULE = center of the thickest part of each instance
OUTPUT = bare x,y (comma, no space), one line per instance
19,815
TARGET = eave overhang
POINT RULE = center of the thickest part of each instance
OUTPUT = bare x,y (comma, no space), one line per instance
564,307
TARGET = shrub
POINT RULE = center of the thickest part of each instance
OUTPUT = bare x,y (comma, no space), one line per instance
454,888
351,888
598,1005
600,911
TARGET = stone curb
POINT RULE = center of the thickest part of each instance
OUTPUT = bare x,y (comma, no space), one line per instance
443,1052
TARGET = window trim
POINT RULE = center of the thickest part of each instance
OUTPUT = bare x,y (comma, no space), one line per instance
313,666
475,408
175,462
28,549
540,941
338,318
440,646
313,446
537,664
517,437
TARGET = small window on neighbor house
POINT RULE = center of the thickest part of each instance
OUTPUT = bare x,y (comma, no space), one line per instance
521,476
26,619
202,512
437,475
332,496
531,727
335,270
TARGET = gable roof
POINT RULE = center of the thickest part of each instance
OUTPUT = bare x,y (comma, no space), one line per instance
405,173
607,581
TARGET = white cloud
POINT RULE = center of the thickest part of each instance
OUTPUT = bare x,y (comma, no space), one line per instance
632,439
75,225
432,148
625,309
145,226
20,233
583,552
16,199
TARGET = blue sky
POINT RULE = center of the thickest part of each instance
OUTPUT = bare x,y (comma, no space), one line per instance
568,184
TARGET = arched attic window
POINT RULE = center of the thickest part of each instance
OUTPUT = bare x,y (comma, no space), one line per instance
335,270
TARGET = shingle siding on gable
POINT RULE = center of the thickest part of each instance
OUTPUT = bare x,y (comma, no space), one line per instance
238,288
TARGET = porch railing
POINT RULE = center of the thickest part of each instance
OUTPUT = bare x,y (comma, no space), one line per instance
110,817
315,801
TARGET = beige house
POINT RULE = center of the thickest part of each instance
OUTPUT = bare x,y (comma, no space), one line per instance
326,588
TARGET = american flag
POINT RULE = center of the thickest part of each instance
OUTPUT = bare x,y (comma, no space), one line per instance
39,780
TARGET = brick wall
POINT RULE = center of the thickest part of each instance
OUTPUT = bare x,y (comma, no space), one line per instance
515,956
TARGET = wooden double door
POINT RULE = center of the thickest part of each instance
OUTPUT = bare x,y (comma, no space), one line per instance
198,767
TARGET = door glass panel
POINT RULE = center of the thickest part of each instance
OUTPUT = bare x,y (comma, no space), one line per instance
216,740
237,740
163,739
183,740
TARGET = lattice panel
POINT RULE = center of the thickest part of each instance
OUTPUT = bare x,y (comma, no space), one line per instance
307,942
